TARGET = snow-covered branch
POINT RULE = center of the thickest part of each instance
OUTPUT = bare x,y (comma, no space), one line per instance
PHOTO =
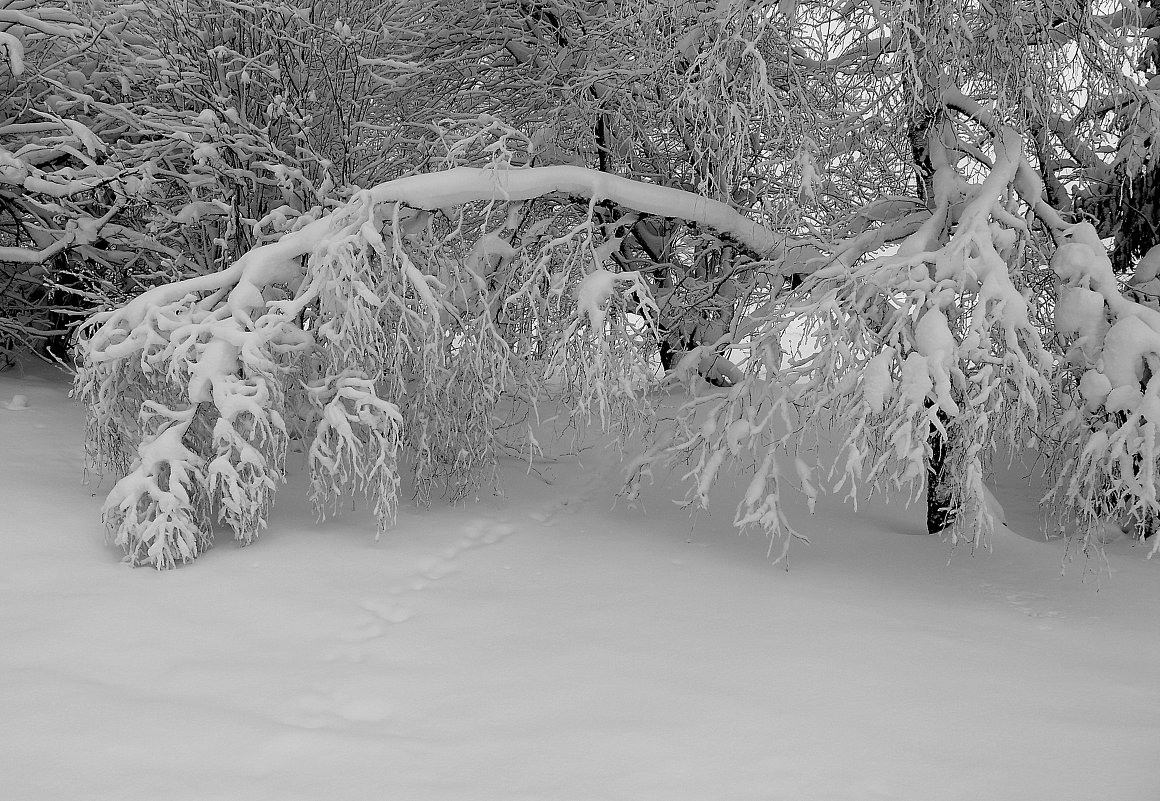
403,314
278,262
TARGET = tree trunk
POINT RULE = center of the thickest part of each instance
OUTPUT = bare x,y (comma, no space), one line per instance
939,513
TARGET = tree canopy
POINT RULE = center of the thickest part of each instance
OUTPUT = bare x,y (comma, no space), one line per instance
394,232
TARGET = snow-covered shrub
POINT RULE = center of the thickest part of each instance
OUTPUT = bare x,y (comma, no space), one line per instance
58,208
140,144
121,138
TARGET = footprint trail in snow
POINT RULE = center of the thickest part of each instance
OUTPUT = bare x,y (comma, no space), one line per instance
379,613
353,696
346,699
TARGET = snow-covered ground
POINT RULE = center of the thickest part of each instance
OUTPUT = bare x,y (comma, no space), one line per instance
548,647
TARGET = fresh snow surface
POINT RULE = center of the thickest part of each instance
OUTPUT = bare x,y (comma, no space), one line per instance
546,646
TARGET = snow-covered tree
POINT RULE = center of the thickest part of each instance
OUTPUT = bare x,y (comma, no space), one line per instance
58,211
581,195
144,144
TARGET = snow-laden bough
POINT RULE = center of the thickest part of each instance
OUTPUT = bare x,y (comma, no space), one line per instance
396,326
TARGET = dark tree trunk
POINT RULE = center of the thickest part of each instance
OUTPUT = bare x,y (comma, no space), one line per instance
939,513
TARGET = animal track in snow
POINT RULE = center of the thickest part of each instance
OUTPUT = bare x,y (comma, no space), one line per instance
1032,604
440,568
335,708
363,631
379,614
484,532
389,611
